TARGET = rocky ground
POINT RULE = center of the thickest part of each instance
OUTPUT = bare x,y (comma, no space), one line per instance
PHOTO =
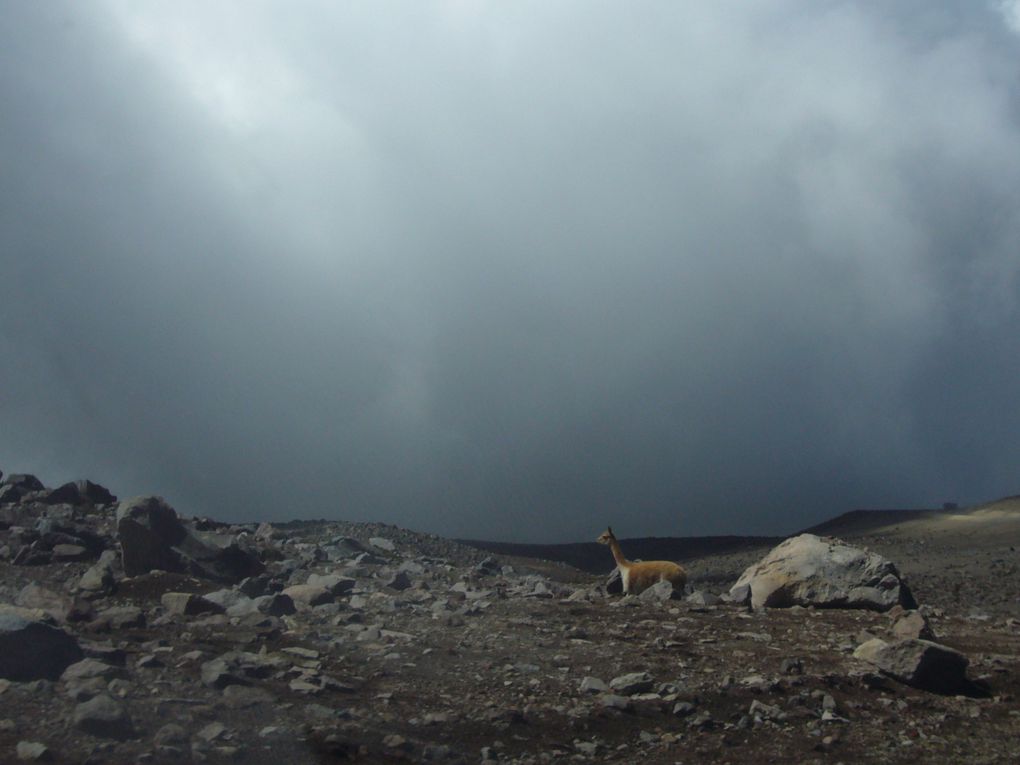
334,642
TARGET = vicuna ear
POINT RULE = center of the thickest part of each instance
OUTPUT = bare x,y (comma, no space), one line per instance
609,529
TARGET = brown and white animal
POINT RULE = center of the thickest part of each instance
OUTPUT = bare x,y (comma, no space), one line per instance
639,576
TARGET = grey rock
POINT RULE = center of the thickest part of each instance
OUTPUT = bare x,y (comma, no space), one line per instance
399,581
309,595
152,537
593,685
684,709
119,618
703,598
660,592
171,735
33,650
824,572
25,482
338,585
243,696
103,717
913,624
218,673
33,751
80,493
382,544
763,711
918,663
87,669
33,595
635,682
189,604
277,604
614,701
100,576
65,552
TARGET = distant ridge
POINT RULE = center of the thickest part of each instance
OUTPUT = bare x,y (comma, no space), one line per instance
862,521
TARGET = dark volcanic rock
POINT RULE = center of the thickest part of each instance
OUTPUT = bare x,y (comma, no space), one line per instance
33,650
24,482
79,493
153,537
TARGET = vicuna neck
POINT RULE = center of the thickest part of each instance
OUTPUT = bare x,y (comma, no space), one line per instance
621,561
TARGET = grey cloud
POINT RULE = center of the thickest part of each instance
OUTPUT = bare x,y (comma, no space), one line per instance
513,271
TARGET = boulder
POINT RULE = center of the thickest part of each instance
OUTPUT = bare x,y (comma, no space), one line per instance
918,663
99,577
33,650
152,537
80,493
824,572
103,717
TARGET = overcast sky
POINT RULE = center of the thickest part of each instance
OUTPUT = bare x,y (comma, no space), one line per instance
514,270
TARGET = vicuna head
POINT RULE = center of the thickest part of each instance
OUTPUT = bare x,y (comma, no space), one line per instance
606,536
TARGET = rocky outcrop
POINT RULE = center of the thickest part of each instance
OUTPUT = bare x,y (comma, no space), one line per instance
823,572
80,493
152,537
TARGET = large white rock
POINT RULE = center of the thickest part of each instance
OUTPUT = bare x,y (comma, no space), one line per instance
821,571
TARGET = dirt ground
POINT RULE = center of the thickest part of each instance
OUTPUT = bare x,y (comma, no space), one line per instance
468,665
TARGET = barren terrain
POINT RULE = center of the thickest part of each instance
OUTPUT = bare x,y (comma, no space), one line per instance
433,651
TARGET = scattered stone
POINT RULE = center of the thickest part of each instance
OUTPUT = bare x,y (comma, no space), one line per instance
277,604
703,598
382,544
33,751
593,685
399,581
913,624
337,585
100,577
659,592
188,604
87,669
309,595
635,682
103,717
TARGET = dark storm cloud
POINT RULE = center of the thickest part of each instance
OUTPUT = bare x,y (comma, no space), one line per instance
517,270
